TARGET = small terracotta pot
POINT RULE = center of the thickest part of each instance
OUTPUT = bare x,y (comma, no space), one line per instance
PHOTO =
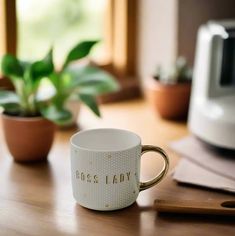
28,139
170,100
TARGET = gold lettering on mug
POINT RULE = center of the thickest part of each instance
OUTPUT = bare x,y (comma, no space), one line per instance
122,177
109,179
95,179
128,175
82,176
106,179
88,177
115,180
77,175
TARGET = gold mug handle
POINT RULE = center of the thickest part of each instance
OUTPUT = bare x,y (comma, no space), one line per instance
159,177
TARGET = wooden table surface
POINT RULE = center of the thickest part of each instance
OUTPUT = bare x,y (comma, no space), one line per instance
36,199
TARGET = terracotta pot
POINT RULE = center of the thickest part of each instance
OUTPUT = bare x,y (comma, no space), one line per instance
170,100
28,139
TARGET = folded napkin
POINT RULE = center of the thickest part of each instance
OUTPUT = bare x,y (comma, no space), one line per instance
188,172
204,165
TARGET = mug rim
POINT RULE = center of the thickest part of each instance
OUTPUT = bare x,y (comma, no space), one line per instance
105,150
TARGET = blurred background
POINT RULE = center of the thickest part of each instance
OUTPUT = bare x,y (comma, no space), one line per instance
60,23
136,35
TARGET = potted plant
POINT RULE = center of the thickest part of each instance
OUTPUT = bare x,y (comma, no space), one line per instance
30,113
169,90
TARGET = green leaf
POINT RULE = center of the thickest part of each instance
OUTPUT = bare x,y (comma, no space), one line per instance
54,79
11,66
55,114
11,108
25,65
8,97
62,83
81,50
10,102
42,68
90,101
92,80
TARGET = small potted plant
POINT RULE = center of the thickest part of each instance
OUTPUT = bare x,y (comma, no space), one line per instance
30,113
77,83
169,90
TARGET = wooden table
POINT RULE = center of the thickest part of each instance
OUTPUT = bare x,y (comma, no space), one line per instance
36,199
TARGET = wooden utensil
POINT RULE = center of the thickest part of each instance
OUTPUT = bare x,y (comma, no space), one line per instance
194,207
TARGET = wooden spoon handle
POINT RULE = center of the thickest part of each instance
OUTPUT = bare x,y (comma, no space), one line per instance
194,207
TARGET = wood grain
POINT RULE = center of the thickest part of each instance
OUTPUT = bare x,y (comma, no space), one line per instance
196,207
37,199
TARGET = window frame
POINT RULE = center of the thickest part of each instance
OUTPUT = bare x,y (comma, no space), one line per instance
8,30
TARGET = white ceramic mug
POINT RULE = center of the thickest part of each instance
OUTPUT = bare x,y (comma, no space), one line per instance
105,166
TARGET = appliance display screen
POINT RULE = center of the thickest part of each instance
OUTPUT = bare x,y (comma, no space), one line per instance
228,61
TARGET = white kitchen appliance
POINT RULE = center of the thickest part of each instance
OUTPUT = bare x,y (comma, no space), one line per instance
212,105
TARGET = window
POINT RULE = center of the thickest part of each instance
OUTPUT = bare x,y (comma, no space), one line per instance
111,20
60,23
